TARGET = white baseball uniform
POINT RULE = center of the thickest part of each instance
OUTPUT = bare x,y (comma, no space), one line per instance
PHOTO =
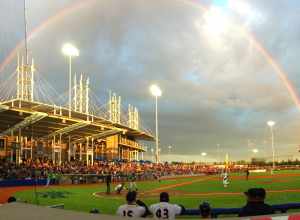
165,210
119,187
225,180
131,211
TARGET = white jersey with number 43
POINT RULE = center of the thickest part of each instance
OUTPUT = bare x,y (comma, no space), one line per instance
165,210
131,211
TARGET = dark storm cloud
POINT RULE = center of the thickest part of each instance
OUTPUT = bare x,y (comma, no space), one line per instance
216,90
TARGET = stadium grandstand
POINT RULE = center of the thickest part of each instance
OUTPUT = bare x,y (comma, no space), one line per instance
32,128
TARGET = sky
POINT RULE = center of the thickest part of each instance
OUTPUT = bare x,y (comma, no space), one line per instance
218,89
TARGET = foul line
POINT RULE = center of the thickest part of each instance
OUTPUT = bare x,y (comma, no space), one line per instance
178,185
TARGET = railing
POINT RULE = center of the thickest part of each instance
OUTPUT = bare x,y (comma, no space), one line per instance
131,143
280,208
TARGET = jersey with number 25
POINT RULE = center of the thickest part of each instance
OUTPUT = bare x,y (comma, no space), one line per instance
131,211
165,210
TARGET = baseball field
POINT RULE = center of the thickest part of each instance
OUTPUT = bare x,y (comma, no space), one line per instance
281,187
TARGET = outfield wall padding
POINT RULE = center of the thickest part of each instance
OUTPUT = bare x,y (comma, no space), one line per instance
28,182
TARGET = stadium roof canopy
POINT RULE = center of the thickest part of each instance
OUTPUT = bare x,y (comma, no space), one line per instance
41,120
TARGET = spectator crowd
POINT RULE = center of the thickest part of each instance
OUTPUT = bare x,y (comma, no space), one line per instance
28,169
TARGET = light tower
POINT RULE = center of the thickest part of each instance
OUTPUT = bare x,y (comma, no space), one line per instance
156,92
271,125
204,154
70,51
25,70
86,90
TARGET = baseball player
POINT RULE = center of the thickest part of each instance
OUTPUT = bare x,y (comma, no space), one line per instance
247,174
132,183
225,179
164,209
131,209
119,188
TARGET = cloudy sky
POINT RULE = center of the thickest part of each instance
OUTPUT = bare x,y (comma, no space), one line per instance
218,87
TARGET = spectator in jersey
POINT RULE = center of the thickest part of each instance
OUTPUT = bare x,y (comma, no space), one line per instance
205,210
164,209
256,203
131,209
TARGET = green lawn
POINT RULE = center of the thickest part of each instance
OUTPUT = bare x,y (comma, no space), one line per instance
81,198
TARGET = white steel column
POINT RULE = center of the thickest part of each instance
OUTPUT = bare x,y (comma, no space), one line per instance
22,78
32,79
69,149
75,93
52,148
31,146
92,151
80,151
80,95
21,146
156,132
87,150
273,149
70,85
87,96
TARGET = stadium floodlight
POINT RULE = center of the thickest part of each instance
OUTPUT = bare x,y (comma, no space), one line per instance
70,51
255,151
271,125
203,154
156,92
170,148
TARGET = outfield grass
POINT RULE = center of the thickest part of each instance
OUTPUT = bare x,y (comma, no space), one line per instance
80,197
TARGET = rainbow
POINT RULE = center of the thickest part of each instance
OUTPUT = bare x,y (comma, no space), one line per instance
51,20
282,75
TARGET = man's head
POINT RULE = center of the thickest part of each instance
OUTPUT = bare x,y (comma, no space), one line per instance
131,197
205,210
164,197
94,211
256,194
11,199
